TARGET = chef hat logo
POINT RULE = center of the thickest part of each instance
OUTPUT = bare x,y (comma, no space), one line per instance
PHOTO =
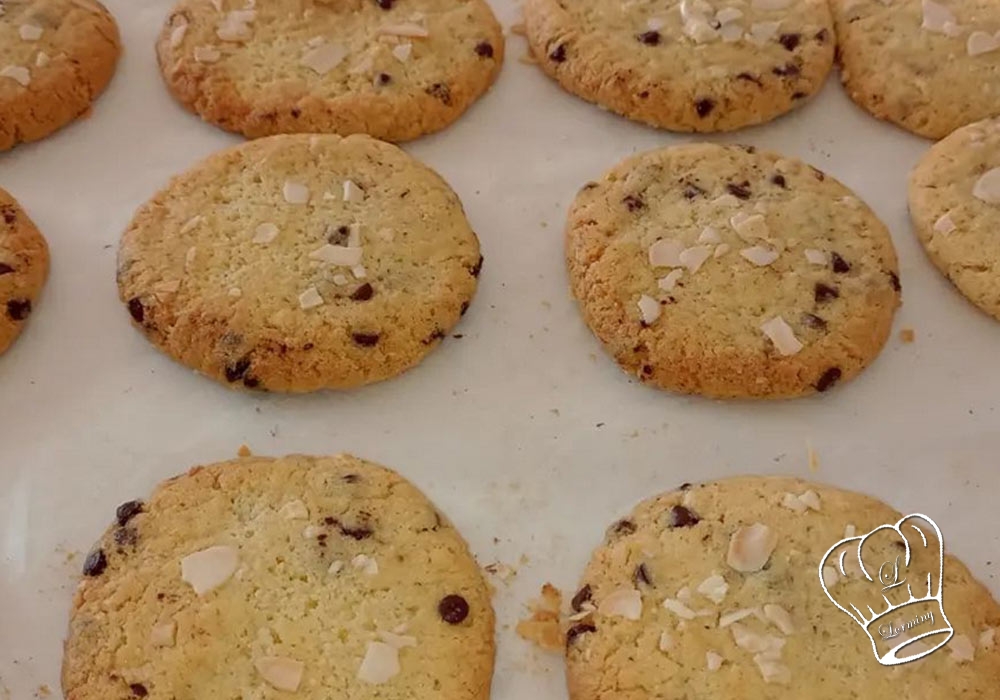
889,582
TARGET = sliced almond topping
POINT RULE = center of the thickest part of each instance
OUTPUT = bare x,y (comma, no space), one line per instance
294,510
944,225
163,635
780,618
19,74
337,255
354,236
666,642
986,639
336,566
340,280
191,223
767,644
235,292
405,29
679,609
781,335
281,672
763,32
667,283
666,253
42,59
978,43
684,595
30,32
353,193
359,272
398,640
759,255
366,564
713,661
210,568
792,502
177,35
649,309
726,200
402,52
850,530
735,616
693,258
206,54
295,192
937,17
751,547
772,670
987,187
381,663
699,30
962,650
721,250
731,32
816,257
728,14
235,26
811,499
655,24
830,577
625,602
265,233
709,235
310,299
714,588
324,58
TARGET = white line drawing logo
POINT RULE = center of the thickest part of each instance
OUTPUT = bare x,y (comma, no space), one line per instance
896,570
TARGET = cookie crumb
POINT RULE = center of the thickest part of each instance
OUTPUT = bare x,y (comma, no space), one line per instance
543,627
907,335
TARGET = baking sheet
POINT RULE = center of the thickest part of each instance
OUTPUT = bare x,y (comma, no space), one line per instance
523,432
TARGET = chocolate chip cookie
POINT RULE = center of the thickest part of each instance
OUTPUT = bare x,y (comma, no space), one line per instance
694,65
56,57
295,263
713,591
730,272
24,266
306,577
394,69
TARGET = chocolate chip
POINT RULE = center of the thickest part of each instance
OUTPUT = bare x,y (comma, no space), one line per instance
95,563
576,630
787,70
679,516
821,35
749,149
441,92
308,346
329,520
789,41
647,370
799,95
894,281
641,575
350,478
839,264
138,690
779,180
624,527
128,510
829,378
685,486
136,309
589,186
18,309
365,340
819,174
633,202
385,79
650,38
584,595
9,214
644,94
126,537
237,369
558,54
363,293
750,78
704,107
453,609
740,191
814,321
296,112
5,269
339,236
824,293
465,307
357,533
692,190
251,382
477,268
484,49
384,4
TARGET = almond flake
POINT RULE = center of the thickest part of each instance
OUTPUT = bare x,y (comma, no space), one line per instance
780,618
759,255
42,59
830,577
324,58
721,250
751,547
987,638
961,648
353,193
206,54
30,32
978,43
191,224
792,502
337,255
684,595
714,588
359,272
19,74
666,252
731,32
649,309
937,17
366,564
625,602
749,227
655,24
265,233
209,568
816,257
709,235
310,299
811,499
354,236
987,187
713,661
235,25
235,292
850,530
294,510
666,642
405,29
295,192
667,283
735,616
679,609
727,15
336,566
780,333
177,35
163,635
402,52
281,672
699,30
726,200
380,664
772,670
398,640
763,32
766,644
340,280
693,258
944,225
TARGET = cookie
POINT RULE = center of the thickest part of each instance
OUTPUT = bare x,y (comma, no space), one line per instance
713,591
689,66
316,576
24,266
954,198
731,272
393,69
56,58
295,263
929,67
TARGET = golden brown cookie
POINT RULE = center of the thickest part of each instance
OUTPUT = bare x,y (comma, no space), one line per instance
296,263
56,57
304,577
24,266
731,272
394,69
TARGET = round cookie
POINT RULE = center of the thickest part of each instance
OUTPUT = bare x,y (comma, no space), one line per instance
24,266
683,600
319,576
297,263
392,69
56,57
695,66
954,198
927,66
730,272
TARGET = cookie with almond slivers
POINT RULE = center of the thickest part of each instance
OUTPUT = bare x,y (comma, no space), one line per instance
298,577
730,272
56,58
713,592
296,263
24,267
955,207
693,65
393,69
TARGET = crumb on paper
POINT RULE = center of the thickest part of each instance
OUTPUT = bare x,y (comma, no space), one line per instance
244,451
543,628
907,335
813,458
43,691
528,58
504,572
